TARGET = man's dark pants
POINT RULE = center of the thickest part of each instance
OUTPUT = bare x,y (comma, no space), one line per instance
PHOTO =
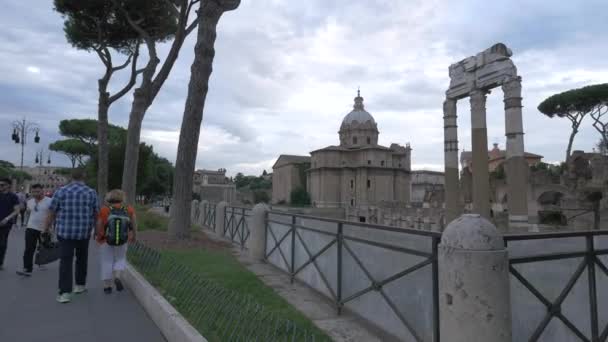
70,247
4,231
31,240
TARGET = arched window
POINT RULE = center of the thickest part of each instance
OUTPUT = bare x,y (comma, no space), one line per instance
369,162
382,163
352,183
369,183
369,140
354,140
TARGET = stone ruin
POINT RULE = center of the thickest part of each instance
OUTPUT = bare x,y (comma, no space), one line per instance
474,77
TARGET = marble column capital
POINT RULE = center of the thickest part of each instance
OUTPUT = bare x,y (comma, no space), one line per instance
512,87
478,100
449,107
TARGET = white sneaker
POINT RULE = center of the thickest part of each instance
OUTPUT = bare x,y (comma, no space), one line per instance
64,298
78,289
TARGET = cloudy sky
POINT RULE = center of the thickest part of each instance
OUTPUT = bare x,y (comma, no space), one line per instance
286,72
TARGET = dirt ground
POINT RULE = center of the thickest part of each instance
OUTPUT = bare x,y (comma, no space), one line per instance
198,240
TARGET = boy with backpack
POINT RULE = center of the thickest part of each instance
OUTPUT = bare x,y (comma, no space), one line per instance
116,227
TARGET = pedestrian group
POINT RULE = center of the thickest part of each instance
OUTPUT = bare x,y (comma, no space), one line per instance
73,216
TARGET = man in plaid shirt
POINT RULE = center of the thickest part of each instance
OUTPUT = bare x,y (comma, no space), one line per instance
74,210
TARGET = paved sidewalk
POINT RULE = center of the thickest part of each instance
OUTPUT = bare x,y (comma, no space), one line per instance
29,312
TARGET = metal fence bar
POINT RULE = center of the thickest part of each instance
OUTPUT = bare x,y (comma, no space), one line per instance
339,238
293,248
589,262
342,241
590,259
435,271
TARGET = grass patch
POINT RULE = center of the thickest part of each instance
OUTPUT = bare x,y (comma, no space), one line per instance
148,220
221,268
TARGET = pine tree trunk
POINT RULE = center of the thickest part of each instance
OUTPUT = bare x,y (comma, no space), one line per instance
129,172
570,142
102,144
204,52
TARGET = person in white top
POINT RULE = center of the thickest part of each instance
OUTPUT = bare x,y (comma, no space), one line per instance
36,213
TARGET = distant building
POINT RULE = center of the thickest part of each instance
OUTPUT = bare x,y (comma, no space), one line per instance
427,186
496,157
214,186
359,174
47,176
288,173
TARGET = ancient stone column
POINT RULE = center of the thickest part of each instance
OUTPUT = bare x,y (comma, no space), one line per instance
474,287
516,166
479,142
450,136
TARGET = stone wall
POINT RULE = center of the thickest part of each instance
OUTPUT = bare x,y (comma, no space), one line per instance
218,192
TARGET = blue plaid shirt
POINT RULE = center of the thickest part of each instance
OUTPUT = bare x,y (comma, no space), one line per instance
75,206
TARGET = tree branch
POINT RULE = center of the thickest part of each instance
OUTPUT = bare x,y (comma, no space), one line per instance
132,79
123,65
192,25
100,53
190,5
174,9
180,35
135,25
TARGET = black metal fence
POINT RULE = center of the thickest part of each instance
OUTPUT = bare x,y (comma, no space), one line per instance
557,281
209,216
387,275
236,226
218,313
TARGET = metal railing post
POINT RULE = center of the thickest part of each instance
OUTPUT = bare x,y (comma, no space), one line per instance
435,271
293,247
590,258
339,273
266,224
243,225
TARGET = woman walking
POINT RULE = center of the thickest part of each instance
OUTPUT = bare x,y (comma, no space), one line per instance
116,226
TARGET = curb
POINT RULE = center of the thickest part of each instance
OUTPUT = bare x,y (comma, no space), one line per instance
173,326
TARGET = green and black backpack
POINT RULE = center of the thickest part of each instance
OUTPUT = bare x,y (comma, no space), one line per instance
118,226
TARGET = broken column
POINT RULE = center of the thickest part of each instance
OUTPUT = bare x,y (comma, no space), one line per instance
452,187
516,166
474,287
479,137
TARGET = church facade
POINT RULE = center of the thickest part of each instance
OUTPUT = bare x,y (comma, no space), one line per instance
359,174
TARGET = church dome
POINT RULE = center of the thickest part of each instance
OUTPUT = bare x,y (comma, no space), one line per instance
358,117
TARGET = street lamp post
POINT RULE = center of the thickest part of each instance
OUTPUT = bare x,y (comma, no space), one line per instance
21,129
40,157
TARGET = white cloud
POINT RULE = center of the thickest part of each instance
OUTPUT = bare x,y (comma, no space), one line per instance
286,72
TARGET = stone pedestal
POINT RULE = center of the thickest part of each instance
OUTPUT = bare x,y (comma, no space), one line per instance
257,228
479,143
474,287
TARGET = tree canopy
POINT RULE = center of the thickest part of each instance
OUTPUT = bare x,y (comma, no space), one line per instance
74,149
575,104
299,197
155,173
85,130
97,24
8,170
576,100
